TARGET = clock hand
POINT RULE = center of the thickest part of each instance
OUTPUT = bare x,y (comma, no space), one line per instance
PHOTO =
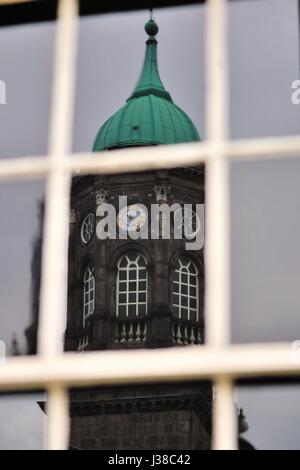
132,217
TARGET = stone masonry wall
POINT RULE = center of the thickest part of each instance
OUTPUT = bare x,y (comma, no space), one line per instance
178,429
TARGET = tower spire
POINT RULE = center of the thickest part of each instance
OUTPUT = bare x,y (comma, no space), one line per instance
150,82
149,117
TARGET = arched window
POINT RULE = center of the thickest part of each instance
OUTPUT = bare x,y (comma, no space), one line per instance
186,290
131,285
88,293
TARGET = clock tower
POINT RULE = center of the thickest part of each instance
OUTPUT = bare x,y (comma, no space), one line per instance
132,281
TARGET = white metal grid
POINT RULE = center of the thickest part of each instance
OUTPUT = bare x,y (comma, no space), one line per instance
219,361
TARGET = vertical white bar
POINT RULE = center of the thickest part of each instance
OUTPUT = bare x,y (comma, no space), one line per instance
217,252
216,77
53,298
217,182
225,416
217,274
55,240
57,419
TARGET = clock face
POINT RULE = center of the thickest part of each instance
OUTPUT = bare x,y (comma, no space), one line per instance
132,218
188,221
87,228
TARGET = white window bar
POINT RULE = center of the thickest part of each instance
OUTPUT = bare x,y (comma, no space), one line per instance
12,1
113,367
219,361
167,156
58,419
53,304
217,268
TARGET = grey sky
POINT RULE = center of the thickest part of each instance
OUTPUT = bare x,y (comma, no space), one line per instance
265,196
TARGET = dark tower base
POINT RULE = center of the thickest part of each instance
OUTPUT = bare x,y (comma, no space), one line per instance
142,417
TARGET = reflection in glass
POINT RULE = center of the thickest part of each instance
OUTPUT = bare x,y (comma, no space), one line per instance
23,423
21,211
273,415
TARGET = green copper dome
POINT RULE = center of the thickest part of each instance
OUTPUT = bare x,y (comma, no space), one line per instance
149,117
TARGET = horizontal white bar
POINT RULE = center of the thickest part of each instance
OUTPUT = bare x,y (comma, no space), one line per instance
24,168
150,158
175,364
11,2
172,156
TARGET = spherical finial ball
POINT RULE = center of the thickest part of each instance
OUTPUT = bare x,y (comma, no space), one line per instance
151,28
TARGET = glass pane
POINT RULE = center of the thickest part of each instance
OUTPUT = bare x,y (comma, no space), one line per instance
184,278
101,92
142,274
132,256
193,291
142,309
142,285
184,301
193,315
122,298
175,287
132,309
192,268
271,416
265,254
175,309
264,59
123,275
23,423
184,315
175,298
184,289
123,263
132,274
132,286
122,286
122,310
141,261
26,69
20,253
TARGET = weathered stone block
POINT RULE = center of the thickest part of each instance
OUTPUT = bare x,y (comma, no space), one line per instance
88,444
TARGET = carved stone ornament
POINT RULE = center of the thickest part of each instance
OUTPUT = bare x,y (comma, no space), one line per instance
101,197
162,192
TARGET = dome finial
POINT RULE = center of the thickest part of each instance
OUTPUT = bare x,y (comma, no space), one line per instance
149,117
151,27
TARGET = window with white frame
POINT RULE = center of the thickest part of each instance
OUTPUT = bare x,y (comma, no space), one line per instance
185,293
88,293
132,280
